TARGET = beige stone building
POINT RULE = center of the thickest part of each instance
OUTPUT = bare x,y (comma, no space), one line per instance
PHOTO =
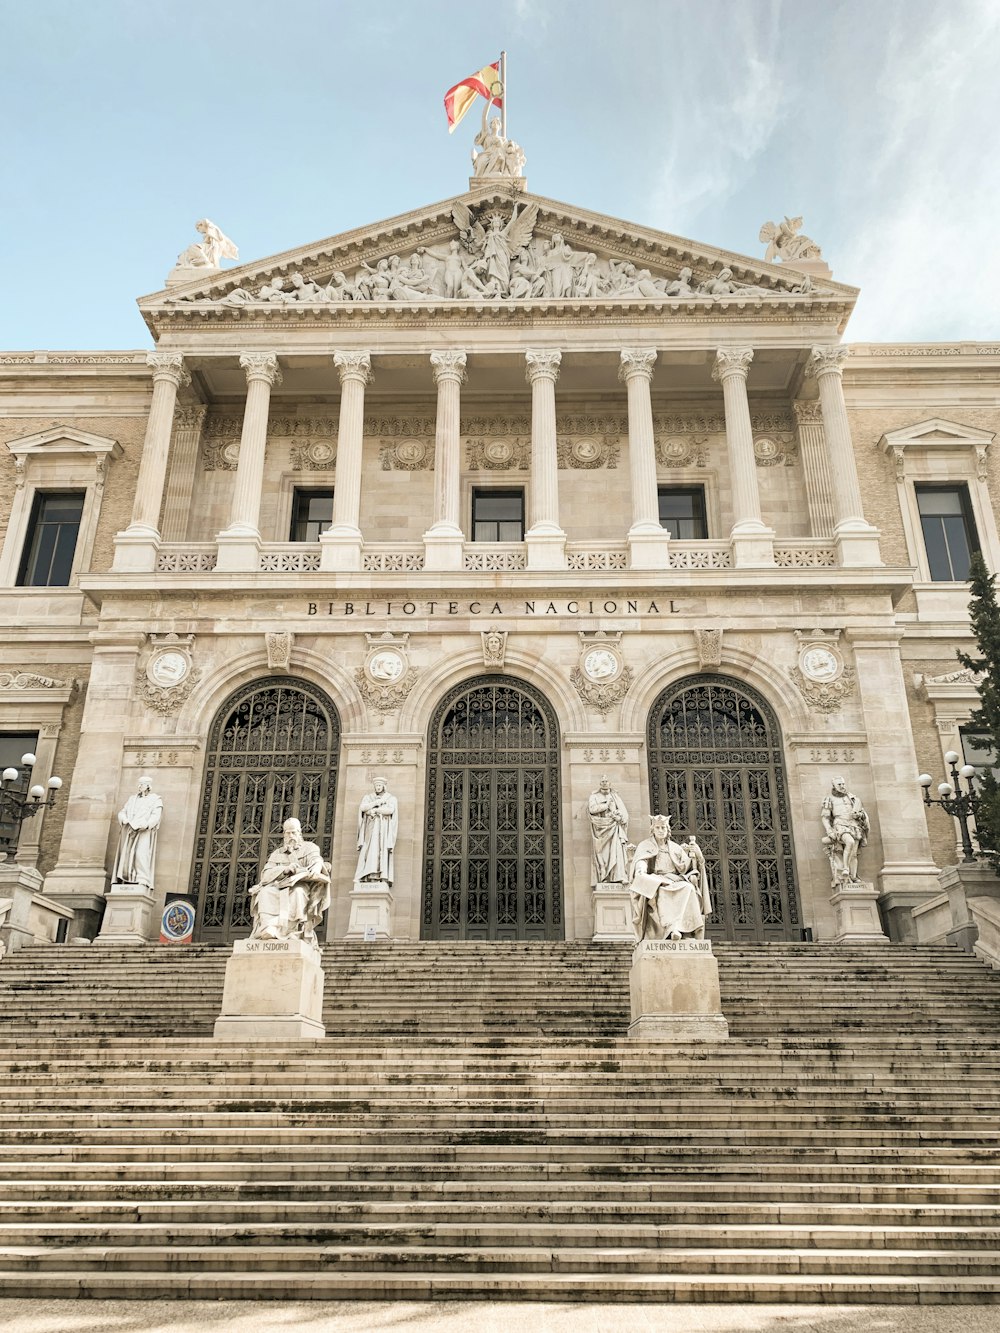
491,499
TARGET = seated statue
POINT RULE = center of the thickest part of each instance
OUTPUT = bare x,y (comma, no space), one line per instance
669,885
294,890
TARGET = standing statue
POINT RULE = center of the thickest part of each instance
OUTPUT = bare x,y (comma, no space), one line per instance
669,885
378,821
139,819
609,832
493,244
784,242
209,252
497,155
846,827
294,890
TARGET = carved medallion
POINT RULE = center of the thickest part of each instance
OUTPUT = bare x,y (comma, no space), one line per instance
770,450
168,675
601,677
314,456
498,455
587,453
406,455
682,451
386,677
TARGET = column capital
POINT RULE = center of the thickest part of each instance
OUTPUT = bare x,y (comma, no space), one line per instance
732,361
636,361
808,411
542,364
168,366
190,416
261,366
447,366
356,366
826,361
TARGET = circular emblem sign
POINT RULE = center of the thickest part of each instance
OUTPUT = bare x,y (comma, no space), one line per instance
177,922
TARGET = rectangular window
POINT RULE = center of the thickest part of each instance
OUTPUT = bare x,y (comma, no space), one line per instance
978,750
949,531
682,511
498,516
13,744
312,513
51,543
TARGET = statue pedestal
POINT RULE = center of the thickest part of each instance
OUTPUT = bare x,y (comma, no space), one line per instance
128,915
612,912
371,907
18,886
273,992
674,986
856,905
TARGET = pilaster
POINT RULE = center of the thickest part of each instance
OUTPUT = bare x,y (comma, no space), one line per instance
189,419
815,466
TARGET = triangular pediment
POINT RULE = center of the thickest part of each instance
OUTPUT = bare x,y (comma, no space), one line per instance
936,433
493,249
61,439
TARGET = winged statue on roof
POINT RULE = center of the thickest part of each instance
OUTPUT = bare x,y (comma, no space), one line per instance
784,242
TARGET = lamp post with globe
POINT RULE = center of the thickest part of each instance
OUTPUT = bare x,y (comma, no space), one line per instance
955,800
17,805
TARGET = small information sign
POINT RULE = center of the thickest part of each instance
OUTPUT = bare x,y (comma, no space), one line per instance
369,934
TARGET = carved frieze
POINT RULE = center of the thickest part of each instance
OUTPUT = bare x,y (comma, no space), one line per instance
29,680
588,453
406,455
775,449
496,455
682,451
316,456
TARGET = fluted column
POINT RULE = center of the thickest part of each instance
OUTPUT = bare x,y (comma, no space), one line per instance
753,542
188,422
136,547
815,467
443,540
341,545
648,541
856,538
239,544
545,539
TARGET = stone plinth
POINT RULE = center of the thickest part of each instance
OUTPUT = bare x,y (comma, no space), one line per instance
371,906
273,993
612,912
19,884
128,915
674,986
855,903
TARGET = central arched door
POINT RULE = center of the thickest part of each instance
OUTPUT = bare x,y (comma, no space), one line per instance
273,753
716,766
492,848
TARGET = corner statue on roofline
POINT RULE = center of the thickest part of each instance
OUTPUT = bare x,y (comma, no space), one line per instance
669,885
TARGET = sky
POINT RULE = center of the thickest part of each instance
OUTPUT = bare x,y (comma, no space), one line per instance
125,121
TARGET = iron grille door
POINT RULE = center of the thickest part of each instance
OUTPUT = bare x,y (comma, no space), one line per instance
716,767
273,753
492,855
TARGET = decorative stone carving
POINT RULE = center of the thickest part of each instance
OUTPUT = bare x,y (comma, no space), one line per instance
386,678
29,680
168,366
542,363
494,647
820,659
808,411
210,251
316,456
732,361
825,697
378,824
709,645
498,455
965,676
261,366
826,361
406,455
294,891
609,835
846,827
587,453
684,451
601,677
169,663
279,649
784,242
669,885
497,155
139,819
771,450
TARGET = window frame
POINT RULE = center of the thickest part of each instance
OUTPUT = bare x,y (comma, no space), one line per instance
480,492
30,551
973,544
304,493
692,489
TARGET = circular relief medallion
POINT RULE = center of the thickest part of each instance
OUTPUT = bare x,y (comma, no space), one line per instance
819,663
601,664
675,451
230,454
320,453
766,450
386,665
167,668
411,452
499,452
587,451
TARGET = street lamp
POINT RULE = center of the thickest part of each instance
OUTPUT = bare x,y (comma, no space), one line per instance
953,800
15,806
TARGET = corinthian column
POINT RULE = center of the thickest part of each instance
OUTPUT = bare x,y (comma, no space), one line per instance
856,538
443,541
753,542
342,543
545,539
648,542
239,544
136,547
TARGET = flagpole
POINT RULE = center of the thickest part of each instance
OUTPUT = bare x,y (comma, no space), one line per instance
503,85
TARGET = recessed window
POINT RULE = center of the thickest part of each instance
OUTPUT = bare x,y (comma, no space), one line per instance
682,511
13,744
949,531
51,543
312,513
498,516
979,751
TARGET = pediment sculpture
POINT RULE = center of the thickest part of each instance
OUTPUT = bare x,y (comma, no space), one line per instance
498,256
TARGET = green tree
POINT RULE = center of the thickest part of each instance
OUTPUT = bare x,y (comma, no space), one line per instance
984,615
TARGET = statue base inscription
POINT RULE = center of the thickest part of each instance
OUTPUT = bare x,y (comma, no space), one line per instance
856,905
371,909
273,993
674,986
612,912
128,915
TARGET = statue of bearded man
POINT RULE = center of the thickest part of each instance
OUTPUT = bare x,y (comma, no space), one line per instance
294,890
669,885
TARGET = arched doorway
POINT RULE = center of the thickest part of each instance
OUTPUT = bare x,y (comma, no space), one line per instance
716,766
273,752
492,848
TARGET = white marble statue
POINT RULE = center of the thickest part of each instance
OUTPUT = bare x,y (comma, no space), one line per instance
669,886
210,251
784,242
294,890
139,819
494,154
845,831
378,822
609,835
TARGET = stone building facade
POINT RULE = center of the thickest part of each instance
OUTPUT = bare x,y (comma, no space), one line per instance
490,500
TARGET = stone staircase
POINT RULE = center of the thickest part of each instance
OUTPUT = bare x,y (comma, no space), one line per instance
476,1125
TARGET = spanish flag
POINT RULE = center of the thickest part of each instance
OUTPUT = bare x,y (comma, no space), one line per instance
485,83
